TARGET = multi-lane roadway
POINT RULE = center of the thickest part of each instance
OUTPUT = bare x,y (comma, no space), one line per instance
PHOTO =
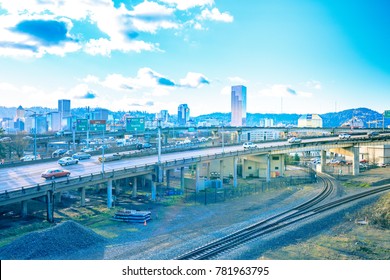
28,175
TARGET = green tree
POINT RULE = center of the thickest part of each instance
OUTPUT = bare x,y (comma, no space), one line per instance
296,158
2,146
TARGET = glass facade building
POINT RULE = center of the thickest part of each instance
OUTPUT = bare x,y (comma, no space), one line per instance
238,106
183,114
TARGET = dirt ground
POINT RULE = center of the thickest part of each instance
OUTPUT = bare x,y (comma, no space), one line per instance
174,219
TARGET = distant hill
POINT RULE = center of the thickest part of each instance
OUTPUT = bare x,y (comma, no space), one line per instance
335,119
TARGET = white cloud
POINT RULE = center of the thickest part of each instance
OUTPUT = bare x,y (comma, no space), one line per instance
152,82
280,90
237,80
188,4
226,90
215,15
120,25
194,80
313,85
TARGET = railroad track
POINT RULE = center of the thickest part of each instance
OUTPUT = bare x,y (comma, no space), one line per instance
277,222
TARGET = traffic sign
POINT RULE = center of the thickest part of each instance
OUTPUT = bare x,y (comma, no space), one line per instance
81,125
97,125
135,124
387,114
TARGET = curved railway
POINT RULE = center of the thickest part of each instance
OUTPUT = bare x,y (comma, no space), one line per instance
305,210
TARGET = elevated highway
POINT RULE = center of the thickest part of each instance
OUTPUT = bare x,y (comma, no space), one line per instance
19,184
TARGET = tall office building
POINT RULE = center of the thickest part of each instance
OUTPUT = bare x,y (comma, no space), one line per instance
183,114
53,121
64,108
238,106
100,114
20,113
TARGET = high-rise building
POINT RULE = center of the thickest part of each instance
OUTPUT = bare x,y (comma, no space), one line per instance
183,114
53,121
64,108
19,113
100,114
238,102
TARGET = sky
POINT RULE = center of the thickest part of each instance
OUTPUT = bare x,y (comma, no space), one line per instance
294,56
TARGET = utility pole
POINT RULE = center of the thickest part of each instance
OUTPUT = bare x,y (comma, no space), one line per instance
88,127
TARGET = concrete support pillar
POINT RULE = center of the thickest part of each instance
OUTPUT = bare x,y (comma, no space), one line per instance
168,178
221,171
152,187
323,161
208,170
243,168
117,187
268,171
134,193
235,161
82,194
57,197
109,193
355,160
197,177
50,206
182,179
24,209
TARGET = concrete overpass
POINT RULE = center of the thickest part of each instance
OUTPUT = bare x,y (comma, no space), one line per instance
259,162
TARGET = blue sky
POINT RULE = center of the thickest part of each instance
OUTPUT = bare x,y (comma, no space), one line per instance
294,56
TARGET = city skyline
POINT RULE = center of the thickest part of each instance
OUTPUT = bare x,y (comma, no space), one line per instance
293,56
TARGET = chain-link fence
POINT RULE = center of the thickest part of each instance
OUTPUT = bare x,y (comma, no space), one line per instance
218,192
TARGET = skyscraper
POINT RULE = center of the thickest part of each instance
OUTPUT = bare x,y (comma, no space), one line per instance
238,106
183,114
64,108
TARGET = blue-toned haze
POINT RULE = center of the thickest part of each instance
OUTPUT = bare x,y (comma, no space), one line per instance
294,56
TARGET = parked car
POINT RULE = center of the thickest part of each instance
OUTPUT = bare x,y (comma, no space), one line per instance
249,145
372,134
6,139
81,155
141,146
67,161
295,140
53,173
58,153
344,136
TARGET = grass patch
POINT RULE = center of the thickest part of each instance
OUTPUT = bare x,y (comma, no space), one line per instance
354,184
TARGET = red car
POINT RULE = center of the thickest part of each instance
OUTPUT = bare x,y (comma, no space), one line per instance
53,173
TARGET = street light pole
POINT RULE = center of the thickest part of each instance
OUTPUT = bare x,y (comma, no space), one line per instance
159,140
223,141
35,132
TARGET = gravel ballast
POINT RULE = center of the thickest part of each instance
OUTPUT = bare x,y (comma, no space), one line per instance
60,240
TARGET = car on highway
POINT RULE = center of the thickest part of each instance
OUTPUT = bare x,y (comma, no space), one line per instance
87,150
294,140
58,152
53,173
249,145
29,158
344,136
81,155
67,161
112,157
372,134
142,146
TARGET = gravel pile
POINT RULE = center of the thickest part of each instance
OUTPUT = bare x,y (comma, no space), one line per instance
63,239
